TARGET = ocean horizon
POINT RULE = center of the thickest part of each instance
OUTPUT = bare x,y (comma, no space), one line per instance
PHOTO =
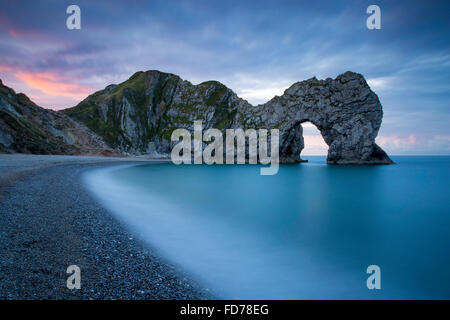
308,232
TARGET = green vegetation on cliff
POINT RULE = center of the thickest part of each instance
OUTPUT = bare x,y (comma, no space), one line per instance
149,106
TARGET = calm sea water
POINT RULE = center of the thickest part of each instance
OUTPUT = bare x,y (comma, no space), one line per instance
309,232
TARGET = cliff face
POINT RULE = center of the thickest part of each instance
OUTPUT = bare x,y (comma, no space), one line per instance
28,128
139,115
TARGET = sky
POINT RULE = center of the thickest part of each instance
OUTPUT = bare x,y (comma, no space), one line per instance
256,48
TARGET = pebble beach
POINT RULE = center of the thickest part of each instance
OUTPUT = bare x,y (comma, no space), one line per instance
49,221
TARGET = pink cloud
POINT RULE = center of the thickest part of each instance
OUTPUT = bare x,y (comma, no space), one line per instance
4,67
314,145
16,33
414,144
47,89
394,141
54,85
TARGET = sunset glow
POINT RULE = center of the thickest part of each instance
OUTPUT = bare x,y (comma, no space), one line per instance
256,56
51,84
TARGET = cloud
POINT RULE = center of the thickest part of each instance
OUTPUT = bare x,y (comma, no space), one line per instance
314,145
381,83
256,49
17,33
313,141
256,88
52,84
260,95
415,144
4,67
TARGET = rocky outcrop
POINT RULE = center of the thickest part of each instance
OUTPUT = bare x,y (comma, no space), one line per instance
347,113
28,128
139,115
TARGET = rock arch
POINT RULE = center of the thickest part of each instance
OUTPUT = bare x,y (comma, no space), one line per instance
345,111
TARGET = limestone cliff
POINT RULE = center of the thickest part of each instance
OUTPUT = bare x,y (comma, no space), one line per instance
139,115
28,128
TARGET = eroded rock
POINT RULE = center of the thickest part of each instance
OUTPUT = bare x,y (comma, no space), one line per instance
144,110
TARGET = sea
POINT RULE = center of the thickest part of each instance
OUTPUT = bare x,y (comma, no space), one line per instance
312,231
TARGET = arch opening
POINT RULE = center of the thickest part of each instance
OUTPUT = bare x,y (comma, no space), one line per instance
314,143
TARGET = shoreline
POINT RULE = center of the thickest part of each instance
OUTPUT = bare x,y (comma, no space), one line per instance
49,221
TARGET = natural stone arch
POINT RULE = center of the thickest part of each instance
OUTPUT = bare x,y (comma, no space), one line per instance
345,111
